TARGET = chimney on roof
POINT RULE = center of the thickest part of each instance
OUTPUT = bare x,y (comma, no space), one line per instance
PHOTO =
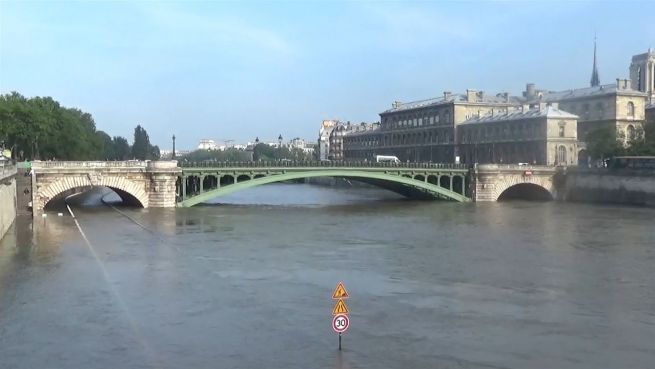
506,96
543,106
446,95
525,108
396,104
481,95
471,95
530,90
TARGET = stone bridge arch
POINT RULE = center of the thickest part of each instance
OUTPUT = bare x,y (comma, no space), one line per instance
493,180
513,182
127,189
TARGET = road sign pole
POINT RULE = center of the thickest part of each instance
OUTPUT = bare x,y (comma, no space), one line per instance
339,341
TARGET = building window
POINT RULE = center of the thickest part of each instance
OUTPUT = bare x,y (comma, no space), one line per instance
561,155
631,109
562,128
631,133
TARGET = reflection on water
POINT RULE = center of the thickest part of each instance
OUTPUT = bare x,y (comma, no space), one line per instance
247,284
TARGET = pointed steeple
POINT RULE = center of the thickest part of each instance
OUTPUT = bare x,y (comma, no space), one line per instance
595,81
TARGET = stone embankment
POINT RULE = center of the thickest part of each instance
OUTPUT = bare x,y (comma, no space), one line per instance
620,186
7,196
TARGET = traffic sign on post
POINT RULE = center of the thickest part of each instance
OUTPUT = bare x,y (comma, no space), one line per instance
340,323
340,292
340,308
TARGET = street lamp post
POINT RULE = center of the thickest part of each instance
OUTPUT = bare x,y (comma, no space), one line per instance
279,140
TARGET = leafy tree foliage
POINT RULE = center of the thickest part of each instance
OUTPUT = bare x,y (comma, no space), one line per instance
606,143
40,128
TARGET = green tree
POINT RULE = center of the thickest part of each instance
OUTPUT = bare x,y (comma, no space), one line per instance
603,143
121,148
141,146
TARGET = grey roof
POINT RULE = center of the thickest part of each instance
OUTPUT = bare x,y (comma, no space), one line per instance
362,132
609,89
547,112
454,98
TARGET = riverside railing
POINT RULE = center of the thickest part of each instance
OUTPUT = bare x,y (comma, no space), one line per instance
319,164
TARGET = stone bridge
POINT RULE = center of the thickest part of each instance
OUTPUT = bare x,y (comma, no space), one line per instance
141,183
493,182
164,184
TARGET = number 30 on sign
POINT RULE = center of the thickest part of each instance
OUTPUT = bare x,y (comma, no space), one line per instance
340,323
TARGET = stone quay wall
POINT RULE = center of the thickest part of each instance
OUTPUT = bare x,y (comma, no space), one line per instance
7,197
619,186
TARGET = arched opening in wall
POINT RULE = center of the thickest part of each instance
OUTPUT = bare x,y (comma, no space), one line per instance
227,180
525,191
243,178
90,197
259,176
419,177
433,180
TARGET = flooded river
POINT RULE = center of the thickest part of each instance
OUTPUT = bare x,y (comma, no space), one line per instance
247,283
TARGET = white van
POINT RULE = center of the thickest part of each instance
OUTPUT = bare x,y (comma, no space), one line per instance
386,159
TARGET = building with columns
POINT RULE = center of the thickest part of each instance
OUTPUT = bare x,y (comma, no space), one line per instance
543,135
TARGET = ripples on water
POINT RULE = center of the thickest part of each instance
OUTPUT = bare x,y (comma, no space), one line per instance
246,283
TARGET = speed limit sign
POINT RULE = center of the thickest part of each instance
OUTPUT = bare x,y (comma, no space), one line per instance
340,323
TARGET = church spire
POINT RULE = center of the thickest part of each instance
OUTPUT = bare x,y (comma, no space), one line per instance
595,81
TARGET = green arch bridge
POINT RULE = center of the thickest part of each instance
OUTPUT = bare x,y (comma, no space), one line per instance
199,182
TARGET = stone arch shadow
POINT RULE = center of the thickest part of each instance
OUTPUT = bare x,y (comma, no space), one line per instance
525,191
130,192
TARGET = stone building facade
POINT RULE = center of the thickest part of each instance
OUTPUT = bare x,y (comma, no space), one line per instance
425,130
544,135
650,113
612,105
642,73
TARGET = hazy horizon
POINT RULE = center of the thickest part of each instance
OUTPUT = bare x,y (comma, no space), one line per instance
239,71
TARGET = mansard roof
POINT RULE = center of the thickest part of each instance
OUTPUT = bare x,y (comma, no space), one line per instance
578,93
546,112
455,98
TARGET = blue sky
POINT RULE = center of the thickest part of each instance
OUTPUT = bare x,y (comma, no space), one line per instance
234,70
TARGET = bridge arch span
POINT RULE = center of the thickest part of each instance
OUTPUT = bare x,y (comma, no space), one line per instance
529,188
128,190
401,183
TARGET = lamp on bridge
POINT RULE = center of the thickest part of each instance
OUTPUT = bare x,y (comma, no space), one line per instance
173,155
256,140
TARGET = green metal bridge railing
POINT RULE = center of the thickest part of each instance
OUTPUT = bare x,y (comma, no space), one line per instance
318,164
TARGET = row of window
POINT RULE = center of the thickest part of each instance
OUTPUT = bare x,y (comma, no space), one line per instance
417,120
599,109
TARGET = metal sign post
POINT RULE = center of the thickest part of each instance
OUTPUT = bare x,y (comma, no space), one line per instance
340,322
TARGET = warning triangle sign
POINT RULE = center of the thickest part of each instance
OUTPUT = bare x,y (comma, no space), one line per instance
340,292
340,308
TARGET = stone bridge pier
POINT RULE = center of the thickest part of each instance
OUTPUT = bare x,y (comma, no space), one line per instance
141,183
